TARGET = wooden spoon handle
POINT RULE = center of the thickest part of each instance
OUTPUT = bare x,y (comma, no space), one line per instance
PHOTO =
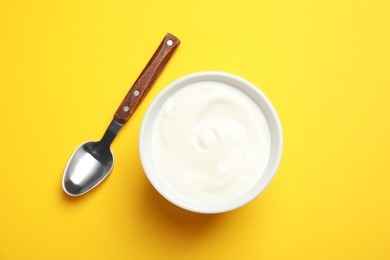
147,78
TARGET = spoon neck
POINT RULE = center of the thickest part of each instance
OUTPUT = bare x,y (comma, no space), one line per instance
111,133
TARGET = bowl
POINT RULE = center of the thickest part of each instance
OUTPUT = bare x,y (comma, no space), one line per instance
163,186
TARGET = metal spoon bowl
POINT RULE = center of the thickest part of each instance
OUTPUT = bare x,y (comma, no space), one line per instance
91,162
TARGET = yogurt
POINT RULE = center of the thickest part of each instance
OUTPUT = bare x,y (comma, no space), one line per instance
210,142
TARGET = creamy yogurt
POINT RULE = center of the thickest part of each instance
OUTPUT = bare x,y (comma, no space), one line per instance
210,142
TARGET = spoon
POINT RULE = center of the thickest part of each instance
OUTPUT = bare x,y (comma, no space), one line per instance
91,162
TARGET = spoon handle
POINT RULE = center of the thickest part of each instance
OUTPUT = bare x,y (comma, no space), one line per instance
147,78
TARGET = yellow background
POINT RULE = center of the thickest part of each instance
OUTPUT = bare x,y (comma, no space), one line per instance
66,65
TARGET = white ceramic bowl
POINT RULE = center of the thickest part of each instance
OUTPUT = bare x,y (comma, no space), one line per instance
152,171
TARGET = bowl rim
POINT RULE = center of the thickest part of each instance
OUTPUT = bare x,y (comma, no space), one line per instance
247,88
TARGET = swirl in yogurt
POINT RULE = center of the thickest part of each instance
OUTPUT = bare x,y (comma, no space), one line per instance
211,142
